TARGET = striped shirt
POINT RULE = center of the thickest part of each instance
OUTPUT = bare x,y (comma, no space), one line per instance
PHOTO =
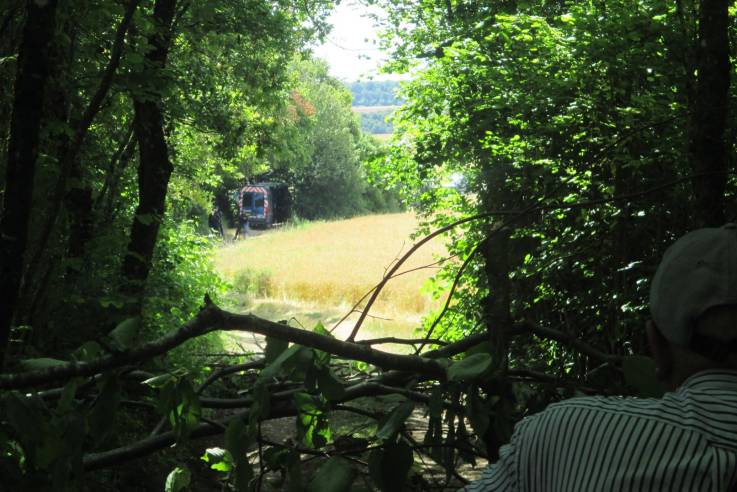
686,440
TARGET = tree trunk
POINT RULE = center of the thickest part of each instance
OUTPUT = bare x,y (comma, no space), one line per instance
69,155
709,113
154,168
30,81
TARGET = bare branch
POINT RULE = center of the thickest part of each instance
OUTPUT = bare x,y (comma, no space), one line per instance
453,287
211,318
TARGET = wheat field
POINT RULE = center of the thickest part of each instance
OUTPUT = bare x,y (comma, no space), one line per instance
329,266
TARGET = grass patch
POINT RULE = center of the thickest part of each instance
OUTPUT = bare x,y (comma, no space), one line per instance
253,282
335,262
319,270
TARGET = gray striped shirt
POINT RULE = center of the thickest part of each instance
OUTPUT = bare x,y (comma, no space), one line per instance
686,440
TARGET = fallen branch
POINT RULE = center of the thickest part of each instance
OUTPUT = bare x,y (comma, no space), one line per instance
212,318
280,408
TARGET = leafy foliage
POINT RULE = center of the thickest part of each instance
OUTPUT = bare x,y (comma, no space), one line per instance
320,151
377,122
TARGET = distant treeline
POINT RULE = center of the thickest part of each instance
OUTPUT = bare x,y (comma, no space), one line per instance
374,93
376,122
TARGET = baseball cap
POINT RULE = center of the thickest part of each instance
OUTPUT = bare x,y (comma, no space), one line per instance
697,272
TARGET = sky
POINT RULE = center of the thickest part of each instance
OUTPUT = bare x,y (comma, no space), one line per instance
351,49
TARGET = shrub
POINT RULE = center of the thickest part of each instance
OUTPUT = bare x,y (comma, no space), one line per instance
182,275
254,282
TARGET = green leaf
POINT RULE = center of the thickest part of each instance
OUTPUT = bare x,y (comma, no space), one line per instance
481,348
125,334
102,414
23,416
261,403
65,404
51,448
184,409
237,439
472,367
218,458
158,381
335,475
639,373
274,369
276,457
395,420
88,351
322,359
274,348
312,420
177,480
40,364
321,330
390,465
329,385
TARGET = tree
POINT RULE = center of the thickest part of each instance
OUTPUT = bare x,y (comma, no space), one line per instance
154,168
316,147
709,104
30,82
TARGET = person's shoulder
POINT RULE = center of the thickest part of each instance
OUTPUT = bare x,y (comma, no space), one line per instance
563,412
599,404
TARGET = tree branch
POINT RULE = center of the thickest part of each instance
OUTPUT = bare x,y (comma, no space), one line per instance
211,318
280,408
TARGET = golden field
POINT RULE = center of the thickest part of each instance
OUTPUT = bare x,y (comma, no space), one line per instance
326,267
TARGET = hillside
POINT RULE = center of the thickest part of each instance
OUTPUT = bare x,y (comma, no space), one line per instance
374,102
374,93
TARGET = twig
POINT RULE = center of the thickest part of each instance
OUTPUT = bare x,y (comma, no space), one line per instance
260,458
453,287
281,407
226,371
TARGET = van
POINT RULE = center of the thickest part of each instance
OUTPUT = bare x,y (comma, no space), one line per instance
266,204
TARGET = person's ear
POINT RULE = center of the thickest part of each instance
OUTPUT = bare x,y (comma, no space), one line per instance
660,350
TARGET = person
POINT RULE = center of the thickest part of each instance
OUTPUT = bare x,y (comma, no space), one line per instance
684,441
242,228
215,221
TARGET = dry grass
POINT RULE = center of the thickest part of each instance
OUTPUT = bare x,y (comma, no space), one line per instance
336,263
